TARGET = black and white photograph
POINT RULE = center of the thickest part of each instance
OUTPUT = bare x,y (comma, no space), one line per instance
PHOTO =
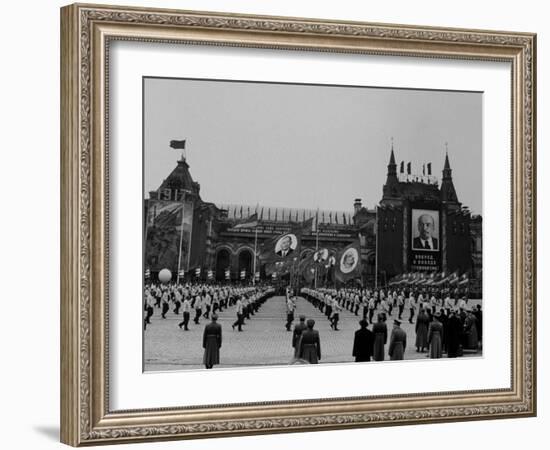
288,224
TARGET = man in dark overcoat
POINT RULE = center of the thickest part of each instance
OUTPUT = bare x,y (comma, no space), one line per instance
453,332
479,316
380,331
435,337
297,334
212,342
363,343
310,344
398,342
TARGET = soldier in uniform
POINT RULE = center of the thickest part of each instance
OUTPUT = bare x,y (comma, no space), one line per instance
148,308
212,342
335,317
328,305
380,331
435,337
186,307
290,308
207,303
310,344
372,308
215,302
409,304
363,343
421,328
356,302
470,331
297,334
398,342
177,301
239,310
453,332
165,304
400,304
365,305
478,313
157,297
198,308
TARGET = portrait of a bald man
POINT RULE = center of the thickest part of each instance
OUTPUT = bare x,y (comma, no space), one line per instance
426,229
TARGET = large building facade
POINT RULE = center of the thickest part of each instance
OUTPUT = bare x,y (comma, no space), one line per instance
408,201
192,236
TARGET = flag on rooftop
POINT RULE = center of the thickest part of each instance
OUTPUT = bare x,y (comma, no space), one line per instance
178,144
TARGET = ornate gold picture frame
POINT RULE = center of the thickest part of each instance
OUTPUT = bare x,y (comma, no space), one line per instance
87,31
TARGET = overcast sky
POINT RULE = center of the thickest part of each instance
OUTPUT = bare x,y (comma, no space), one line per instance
301,146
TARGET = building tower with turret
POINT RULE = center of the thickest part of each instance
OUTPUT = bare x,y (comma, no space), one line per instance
178,224
408,199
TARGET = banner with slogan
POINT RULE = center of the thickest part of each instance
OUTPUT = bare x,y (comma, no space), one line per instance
168,235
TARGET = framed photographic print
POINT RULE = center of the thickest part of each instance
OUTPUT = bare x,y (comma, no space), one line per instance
277,225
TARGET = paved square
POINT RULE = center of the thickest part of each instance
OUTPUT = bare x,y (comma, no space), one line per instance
264,340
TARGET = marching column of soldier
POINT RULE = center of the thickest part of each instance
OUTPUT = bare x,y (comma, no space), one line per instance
203,300
206,300
443,325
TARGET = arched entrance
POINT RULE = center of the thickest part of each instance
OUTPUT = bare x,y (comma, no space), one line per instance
223,261
245,263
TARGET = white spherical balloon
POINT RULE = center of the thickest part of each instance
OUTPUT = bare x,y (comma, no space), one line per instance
165,276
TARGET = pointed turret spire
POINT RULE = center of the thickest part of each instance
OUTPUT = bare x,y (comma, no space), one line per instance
392,166
447,172
392,156
391,179
447,165
448,192
391,187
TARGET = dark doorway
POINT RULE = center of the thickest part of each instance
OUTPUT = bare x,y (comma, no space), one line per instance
223,261
245,263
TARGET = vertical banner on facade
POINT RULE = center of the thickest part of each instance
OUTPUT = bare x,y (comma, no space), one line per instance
425,240
168,235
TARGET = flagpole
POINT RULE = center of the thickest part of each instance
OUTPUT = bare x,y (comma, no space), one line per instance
316,241
376,252
181,145
255,253
181,235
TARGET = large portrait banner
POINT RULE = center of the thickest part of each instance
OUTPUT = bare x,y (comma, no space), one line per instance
425,240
